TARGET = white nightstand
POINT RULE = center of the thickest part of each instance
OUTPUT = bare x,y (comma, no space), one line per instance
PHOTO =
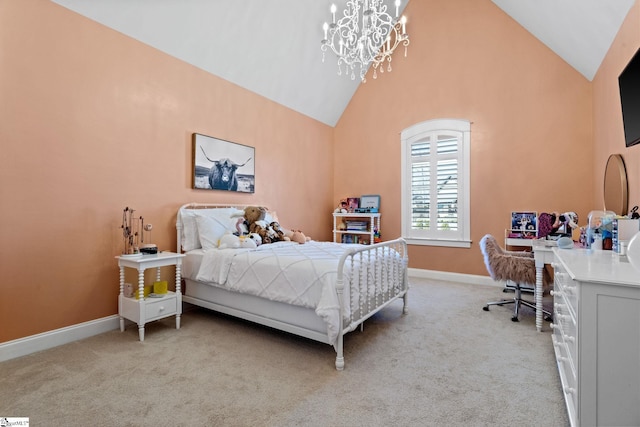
145,310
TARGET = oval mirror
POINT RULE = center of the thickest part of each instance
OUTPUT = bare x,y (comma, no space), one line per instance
615,185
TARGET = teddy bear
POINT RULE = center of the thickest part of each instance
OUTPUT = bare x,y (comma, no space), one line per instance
254,217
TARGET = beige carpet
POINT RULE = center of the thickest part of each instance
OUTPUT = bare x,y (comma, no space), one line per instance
446,363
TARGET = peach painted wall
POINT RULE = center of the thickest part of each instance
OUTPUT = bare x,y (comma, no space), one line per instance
608,126
92,121
531,114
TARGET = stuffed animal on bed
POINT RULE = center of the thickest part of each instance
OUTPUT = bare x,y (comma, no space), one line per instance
295,236
275,232
255,220
247,242
256,238
242,227
299,237
229,241
252,215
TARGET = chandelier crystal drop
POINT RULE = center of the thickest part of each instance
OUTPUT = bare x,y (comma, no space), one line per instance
365,35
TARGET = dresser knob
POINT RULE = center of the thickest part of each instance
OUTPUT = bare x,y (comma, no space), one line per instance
557,305
161,308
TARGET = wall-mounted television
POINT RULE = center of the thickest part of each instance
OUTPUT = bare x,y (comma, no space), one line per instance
629,83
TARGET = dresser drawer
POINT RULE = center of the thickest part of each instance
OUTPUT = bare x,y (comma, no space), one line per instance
565,329
567,378
565,286
163,307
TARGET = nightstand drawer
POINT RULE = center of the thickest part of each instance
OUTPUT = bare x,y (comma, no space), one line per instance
163,307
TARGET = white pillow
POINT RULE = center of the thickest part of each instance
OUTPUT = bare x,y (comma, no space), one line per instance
190,238
210,230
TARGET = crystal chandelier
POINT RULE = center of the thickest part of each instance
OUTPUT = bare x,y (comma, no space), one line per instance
365,35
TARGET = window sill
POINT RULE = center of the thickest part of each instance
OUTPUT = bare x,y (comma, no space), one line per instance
439,242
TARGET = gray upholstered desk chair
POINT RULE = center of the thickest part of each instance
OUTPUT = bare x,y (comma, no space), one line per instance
516,266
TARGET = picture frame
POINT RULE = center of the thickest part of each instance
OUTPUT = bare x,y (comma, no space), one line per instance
370,202
524,225
353,203
222,165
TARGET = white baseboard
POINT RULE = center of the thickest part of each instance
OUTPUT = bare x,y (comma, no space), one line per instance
50,339
46,340
453,277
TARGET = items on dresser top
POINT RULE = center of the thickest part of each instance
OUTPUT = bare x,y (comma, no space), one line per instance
633,251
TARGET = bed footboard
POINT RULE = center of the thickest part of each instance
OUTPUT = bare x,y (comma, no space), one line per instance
373,276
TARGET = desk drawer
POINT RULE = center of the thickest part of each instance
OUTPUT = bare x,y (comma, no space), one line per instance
163,307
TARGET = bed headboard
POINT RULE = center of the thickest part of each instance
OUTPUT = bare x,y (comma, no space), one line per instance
186,230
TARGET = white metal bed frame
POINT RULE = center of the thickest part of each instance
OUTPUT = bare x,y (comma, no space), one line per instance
379,286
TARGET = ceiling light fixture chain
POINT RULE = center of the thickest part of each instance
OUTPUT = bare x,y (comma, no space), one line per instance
365,35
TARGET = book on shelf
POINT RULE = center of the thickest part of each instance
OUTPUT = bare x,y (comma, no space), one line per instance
348,238
357,225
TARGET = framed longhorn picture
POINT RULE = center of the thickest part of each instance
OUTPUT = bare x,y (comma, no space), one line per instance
222,165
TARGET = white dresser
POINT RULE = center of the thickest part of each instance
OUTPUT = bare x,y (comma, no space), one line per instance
596,336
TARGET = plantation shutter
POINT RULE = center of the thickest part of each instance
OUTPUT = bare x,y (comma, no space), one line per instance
434,184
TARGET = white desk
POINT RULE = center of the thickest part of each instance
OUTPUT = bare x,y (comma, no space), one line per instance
543,254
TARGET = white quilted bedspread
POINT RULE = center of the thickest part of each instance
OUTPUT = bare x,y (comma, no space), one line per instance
303,275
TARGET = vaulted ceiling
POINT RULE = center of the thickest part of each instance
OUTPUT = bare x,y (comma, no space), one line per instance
272,47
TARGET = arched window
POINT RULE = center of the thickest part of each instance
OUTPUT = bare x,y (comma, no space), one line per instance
435,183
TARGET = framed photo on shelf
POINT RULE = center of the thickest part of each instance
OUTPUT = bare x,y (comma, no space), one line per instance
353,203
222,165
524,225
370,202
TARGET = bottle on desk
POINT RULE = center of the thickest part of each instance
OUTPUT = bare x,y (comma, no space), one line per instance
597,241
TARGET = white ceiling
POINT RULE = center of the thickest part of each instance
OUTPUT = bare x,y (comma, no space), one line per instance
272,47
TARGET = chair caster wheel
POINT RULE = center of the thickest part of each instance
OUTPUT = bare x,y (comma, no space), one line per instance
485,308
514,319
